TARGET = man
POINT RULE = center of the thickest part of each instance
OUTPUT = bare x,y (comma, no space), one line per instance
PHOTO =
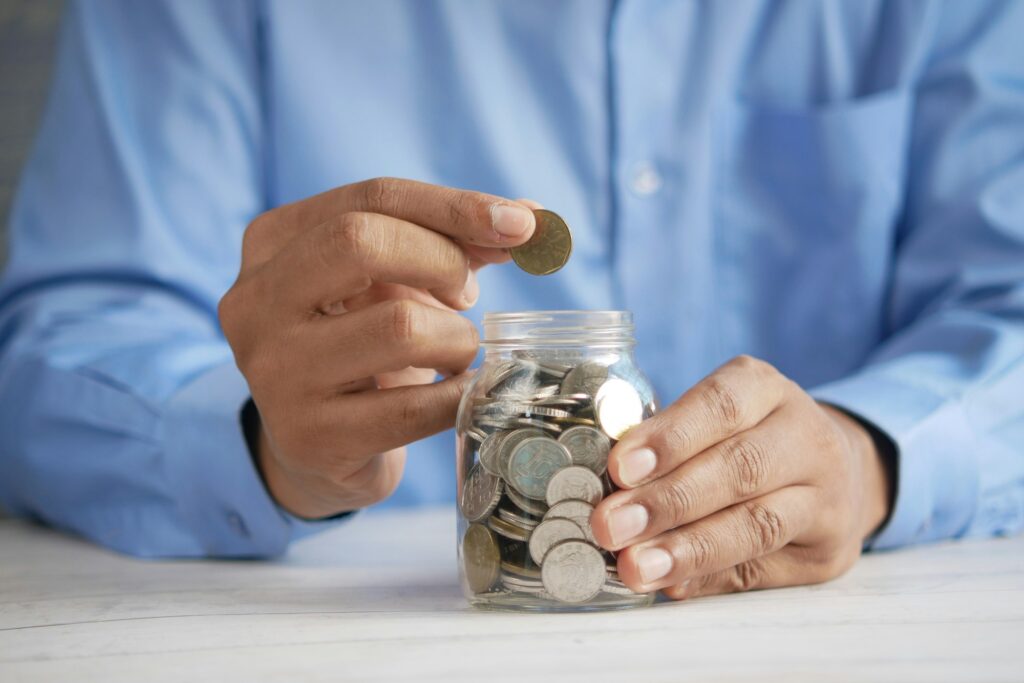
212,214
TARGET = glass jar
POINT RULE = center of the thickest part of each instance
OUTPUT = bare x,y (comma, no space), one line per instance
555,392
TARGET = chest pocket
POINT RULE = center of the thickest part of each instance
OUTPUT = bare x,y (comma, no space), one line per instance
805,208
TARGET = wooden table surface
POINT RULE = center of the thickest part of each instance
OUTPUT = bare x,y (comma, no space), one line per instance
377,600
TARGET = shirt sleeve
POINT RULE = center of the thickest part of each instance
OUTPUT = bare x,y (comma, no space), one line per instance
121,418
948,384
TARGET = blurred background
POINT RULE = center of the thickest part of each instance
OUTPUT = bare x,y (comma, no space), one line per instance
28,32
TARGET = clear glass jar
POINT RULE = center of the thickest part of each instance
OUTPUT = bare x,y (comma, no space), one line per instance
555,392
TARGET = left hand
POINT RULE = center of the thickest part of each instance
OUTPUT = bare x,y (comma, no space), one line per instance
745,482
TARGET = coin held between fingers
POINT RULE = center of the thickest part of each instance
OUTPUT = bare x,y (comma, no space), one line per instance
549,247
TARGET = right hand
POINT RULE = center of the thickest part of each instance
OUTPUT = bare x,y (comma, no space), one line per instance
344,310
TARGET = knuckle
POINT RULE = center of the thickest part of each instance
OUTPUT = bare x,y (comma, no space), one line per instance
352,234
701,551
256,236
405,321
723,404
748,462
676,437
747,575
767,527
461,208
379,194
676,503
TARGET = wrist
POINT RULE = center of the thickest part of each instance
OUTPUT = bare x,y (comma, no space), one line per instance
872,464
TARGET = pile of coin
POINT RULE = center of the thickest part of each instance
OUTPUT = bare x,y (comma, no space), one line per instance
536,444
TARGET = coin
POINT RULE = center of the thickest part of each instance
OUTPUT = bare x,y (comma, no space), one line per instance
533,463
530,506
480,494
549,247
508,445
586,378
618,407
527,523
578,511
481,558
573,571
552,531
489,450
574,483
588,446
508,529
616,588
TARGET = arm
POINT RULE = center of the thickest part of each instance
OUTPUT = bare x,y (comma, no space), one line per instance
121,398
948,385
746,482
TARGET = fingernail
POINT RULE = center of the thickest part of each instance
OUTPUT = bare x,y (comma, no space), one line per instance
636,465
471,292
626,522
653,563
509,220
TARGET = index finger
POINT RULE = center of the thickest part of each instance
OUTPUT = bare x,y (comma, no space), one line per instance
732,399
467,216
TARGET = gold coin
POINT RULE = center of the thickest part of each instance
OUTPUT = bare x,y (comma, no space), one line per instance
481,558
549,247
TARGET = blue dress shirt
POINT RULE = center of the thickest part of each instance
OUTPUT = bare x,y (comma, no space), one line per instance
836,187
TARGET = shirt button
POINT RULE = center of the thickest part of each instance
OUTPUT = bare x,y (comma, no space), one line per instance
646,180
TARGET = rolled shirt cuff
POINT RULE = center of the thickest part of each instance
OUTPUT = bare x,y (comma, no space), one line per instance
936,470
222,497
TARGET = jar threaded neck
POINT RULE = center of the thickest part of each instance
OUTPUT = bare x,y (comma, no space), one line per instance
613,329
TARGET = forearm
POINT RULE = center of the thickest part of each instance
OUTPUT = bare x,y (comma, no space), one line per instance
122,424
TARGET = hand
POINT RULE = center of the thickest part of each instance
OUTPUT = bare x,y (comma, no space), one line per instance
343,313
745,482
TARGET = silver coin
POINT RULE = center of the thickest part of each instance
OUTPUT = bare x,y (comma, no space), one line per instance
585,378
588,446
552,531
574,483
616,588
489,451
477,435
507,529
533,463
532,572
508,445
573,571
533,423
480,494
511,517
528,505
515,586
578,511
618,407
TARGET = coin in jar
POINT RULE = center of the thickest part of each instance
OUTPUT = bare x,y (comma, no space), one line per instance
552,531
586,378
489,451
578,511
588,446
549,247
530,506
618,407
534,462
573,571
480,494
481,558
509,444
574,483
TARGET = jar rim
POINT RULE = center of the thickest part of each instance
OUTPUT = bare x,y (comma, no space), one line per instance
593,328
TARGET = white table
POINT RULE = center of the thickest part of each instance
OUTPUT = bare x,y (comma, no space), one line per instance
378,600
